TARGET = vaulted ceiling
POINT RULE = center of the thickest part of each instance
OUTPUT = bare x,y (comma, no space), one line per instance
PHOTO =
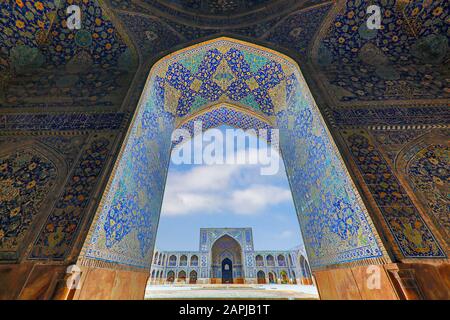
44,64
403,68
226,74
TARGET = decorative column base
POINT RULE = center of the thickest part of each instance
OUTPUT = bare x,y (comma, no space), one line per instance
107,284
355,283
31,281
421,281
393,281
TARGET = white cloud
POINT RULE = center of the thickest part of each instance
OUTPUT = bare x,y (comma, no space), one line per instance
256,198
188,203
221,188
235,189
286,234
204,178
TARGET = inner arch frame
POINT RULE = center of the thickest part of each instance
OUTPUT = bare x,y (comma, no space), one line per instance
324,253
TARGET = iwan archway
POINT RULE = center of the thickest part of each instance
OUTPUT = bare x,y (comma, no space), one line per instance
247,86
226,261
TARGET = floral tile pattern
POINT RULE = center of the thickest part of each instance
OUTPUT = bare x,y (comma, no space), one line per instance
39,56
428,170
404,60
413,236
334,221
25,179
62,225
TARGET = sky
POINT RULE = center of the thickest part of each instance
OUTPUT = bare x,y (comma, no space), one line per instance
227,195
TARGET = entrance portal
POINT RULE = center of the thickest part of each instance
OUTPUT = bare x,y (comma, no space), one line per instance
227,81
227,271
226,258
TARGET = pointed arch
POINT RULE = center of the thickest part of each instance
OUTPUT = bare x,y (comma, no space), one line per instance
281,260
193,277
194,261
423,165
181,276
270,260
176,90
172,260
261,277
31,176
170,276
226,260
183,260
259,260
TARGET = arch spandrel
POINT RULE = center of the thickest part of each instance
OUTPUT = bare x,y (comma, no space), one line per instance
229,115
224,70
30,173
226,247
423,163
335,224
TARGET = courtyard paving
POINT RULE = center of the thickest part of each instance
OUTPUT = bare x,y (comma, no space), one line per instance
245,291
